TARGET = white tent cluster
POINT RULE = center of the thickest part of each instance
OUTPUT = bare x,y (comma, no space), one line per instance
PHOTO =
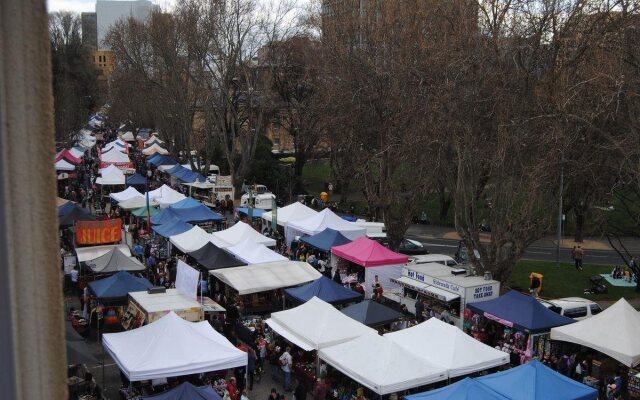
430,352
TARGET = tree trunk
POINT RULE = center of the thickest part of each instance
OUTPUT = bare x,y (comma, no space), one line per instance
579,212
298,166
445,204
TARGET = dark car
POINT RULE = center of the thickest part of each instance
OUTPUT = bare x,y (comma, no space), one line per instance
407,246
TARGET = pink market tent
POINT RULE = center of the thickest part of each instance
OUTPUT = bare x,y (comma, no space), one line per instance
368,253
376,260
68,156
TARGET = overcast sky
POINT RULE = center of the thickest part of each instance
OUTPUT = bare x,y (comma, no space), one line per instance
90,5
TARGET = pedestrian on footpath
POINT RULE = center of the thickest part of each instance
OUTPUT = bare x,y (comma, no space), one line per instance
578,258
285,362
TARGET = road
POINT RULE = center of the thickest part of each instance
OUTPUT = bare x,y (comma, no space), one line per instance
449,246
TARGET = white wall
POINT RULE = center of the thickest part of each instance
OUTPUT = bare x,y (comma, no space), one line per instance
108,12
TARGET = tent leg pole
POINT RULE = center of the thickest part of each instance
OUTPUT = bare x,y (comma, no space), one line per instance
317,365
104,384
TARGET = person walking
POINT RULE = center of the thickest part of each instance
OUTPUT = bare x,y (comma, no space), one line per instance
579,256
285,362
251,366
419,310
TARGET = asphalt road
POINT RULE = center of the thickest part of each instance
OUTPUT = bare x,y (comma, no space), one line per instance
449,247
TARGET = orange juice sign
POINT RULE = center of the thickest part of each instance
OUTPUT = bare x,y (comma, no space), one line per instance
99,232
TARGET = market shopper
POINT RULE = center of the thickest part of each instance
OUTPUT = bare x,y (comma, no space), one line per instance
285,362
419,310
579,256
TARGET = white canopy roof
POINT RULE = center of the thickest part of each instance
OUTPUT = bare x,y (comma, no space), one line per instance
254,253
153,149
170,347
121,144
165,196
111,176
445,345
291,212
315,325
613,332
194,239
126,194
171,300
136,202
321,221
77,153
115,156
128,136
93,252
63,165
381,365
153,139
241,231
268,276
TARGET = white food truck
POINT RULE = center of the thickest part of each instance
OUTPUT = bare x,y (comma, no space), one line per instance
443,287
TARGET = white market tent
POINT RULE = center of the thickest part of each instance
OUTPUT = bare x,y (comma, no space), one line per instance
153,149
115,157
241,231
194,239
171,347
315,325
128,193
153,139
613,332
321,221
381,365
136,202
293,211
128,137
76,152
254,253
63,165
118,143
445,345
268,276
111,176
165,196
91,253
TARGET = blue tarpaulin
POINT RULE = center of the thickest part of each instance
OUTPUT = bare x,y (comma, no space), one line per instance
164,217
184,174
136,179
257,212
371,313
158,160
326,239
325,289
116,287
187,391
532,381
76,213
66,208
538,382
466,389
200,213
187,202
173,228
350,218
524,312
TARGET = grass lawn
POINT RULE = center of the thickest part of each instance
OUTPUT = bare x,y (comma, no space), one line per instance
565,281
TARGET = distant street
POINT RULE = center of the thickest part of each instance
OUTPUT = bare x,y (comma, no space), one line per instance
449,246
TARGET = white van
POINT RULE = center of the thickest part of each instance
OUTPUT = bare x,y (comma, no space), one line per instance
433,258
577,308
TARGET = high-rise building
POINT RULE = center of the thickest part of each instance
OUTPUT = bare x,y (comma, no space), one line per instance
89,30
111,11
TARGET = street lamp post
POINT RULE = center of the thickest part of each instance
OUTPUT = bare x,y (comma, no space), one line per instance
148,176
560,211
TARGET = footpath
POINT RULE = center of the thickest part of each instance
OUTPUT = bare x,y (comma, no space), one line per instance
589,243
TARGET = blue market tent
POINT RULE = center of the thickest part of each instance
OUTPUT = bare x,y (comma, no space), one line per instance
466,389
520,311
200,213
325,289
537,382
158,160
66,208
187,202
350,218
116,287
164,217
326,239
184,174
171,228
187,391
136,179
76,213
371,313
257,212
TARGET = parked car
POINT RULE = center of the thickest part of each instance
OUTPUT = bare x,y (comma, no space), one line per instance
408,247
577,308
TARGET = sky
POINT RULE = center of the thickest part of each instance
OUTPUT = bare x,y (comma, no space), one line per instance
90,5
